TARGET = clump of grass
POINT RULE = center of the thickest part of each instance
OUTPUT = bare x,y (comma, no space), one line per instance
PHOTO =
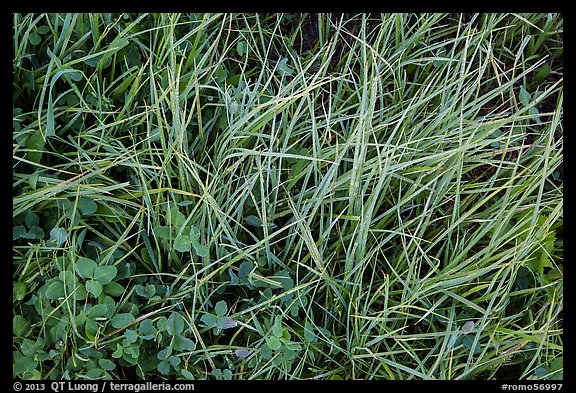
240,196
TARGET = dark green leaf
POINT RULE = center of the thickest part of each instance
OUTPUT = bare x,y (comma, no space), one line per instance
253,221
187,375
162,232
58,236
557,367
24,364
72,75
293,346
209,320
183,344
542,371
31,220
122,320
177,219
93,61
55,290
106,364
28,236
294,308
94,287
227,374
18,232
161,323
131,336
194,233
175,324
113,289
182,243
241,47
525,97
273,343
19,325
221,308
42,29
557,364
164,353
85,267
233,277
74,216
201,250
244,270
265,352
30,347
174,361
146,330
80,319
118,352
91,328
36,233
87,206
147,292
35,146
19,291
99,310
33,178
277,327
105,274
284,278
309,332
34,38
543,73
131,354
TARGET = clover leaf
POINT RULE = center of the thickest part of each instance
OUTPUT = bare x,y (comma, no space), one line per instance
85,267
147,291
58,236
221,308
219,321
209,320
122,320
86,206
182,243
94,287
105,273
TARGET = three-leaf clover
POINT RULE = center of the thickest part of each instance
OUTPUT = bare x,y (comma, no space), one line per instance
32,222
97,276
183,242
225,374
219,320
279,340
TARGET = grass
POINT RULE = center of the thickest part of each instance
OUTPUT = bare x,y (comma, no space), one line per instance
288,196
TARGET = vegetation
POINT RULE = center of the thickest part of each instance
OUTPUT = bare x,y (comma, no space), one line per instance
287,196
